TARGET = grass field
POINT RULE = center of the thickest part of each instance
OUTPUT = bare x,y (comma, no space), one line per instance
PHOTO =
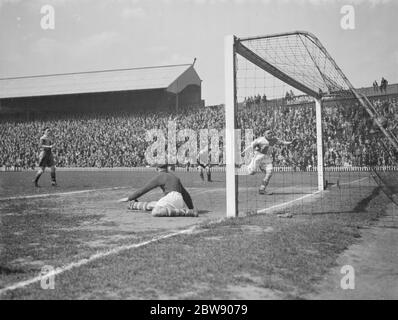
99,249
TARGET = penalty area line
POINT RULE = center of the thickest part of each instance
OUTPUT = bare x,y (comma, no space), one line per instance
92,258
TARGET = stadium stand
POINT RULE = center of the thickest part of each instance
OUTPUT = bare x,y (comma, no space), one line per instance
118,139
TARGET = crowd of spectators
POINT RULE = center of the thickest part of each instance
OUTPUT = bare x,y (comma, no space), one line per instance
351,137
118,140
96,140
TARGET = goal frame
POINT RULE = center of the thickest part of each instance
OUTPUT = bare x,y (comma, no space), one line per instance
232,47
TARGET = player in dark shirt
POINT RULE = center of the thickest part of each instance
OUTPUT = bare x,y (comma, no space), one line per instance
175,202
46,158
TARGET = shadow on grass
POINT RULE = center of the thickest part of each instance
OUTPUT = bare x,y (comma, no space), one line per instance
203,211
7,271
290,193
361,206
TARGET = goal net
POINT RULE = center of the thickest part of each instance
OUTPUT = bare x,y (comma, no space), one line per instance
299,137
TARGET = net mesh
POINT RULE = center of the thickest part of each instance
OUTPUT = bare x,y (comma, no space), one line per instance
299,56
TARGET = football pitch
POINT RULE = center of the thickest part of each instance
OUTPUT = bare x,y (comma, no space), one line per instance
96,248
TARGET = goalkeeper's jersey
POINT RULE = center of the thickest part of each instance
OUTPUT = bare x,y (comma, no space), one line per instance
168,182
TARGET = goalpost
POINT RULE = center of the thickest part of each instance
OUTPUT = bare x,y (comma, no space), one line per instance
271,75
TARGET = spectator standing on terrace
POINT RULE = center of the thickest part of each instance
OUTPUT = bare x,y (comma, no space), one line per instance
375,86
383,85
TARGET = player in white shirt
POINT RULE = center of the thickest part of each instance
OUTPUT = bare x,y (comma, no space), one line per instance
203,161
262,158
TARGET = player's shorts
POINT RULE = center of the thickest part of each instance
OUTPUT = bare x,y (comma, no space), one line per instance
261,162
203,165
46,159
173,200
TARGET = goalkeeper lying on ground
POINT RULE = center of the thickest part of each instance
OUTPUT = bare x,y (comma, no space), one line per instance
176,201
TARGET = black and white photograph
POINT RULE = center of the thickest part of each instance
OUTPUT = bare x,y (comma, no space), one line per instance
206,152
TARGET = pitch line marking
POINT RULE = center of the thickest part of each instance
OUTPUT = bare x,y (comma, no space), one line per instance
94,257
284,204
45,195
358,180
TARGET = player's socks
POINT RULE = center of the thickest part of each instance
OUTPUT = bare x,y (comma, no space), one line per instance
36,180
201,175
162,212
167,212
141,205
263,190
53,179
209,177
184,213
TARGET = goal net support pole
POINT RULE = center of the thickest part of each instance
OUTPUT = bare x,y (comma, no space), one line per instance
230,126
319,144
